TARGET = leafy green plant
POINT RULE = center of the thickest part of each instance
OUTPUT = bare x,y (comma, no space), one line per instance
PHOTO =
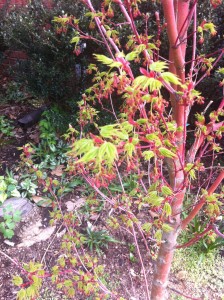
6,128
8,187
47,133
51,150
130,184
97,239
10,218
205,245
132,255
50,157
60,117
49,72
27,188
13,91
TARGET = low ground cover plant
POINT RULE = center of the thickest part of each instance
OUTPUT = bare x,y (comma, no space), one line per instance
6,128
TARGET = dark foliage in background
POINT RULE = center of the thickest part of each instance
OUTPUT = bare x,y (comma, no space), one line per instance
49,72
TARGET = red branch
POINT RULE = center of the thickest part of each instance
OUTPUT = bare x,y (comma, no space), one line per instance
199,206
178,292
195,239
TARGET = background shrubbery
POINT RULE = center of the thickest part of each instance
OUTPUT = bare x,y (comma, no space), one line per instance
49,72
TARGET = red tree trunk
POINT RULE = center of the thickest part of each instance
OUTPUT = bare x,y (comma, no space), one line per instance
176,13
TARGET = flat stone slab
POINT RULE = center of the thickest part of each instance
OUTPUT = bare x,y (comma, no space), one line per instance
21,204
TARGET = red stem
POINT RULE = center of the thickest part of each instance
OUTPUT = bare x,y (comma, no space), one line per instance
195,239
199,206
208,55
215,63
178,292
194,43
218,232
185,26
200,139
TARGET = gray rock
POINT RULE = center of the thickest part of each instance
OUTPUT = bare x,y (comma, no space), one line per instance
22,204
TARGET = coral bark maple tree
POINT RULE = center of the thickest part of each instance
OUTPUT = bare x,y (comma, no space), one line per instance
146,140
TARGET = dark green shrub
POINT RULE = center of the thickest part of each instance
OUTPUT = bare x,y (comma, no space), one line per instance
49,73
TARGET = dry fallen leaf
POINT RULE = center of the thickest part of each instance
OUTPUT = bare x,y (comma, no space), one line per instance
12,117
36,199
181,275
94,217
35,137
19,130
74,205
41,201
70,205
61,233
58,171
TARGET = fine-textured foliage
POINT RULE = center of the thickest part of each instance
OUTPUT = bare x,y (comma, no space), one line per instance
146,138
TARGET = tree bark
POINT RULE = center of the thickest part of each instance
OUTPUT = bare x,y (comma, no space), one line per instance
176,14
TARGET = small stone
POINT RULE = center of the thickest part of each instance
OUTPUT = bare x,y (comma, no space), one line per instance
132,272
21,204
61,233
181,275
9,243
43,235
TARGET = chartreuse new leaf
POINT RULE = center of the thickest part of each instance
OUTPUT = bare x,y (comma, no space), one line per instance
210,27
220,70
107,153
148,154
190,168
166,152
167,209
21,295
134,54
75,40
90,155
17,280
154,138
166,227
172,126
147,82
158,66
166,191
82,146
153,198
120,131
131,56
63,20
147,227
170,77
129,149
107,61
